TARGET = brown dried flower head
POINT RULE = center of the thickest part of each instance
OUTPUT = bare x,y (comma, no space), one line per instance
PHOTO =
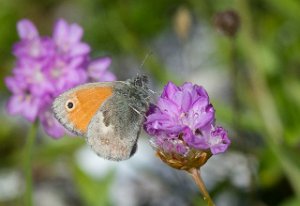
194,159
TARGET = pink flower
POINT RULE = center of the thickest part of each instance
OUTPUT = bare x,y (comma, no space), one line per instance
47,66
184,120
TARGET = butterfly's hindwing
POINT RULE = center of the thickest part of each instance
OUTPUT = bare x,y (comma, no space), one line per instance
114,130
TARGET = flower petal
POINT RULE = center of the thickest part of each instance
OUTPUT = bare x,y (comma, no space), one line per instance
79,49
31,108
194,141
60,33
24,106
15,104
169,90
108,77
75,33
15,85
201,116
98,67
27,30
169,107
50,125
186,102
219,140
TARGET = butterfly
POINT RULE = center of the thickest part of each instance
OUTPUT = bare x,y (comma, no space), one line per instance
108,114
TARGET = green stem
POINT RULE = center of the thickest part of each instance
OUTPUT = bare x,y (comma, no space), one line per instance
234,70
199,182
28,163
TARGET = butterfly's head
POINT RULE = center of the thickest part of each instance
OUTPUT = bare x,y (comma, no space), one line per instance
140,81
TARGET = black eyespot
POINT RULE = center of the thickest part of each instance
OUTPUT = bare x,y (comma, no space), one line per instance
70,105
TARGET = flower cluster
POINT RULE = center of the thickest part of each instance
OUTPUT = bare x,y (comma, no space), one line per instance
47,66
183,124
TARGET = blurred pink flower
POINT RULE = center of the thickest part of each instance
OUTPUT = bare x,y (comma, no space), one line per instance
47,66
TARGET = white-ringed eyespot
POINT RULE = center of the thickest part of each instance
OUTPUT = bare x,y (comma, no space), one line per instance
70,105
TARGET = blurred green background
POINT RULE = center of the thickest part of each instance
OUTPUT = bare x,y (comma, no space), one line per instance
253,79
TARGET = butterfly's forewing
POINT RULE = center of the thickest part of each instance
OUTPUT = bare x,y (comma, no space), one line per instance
85,101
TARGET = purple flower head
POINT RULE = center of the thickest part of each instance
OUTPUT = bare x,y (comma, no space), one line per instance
183,121
47,66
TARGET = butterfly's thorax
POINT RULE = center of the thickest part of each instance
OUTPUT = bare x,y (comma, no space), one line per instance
135,92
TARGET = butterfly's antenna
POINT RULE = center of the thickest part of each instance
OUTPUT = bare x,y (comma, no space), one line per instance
145,59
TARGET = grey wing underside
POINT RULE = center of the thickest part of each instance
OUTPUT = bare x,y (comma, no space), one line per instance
114,130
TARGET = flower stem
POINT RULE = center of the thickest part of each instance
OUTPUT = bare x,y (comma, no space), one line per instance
199,182
28,164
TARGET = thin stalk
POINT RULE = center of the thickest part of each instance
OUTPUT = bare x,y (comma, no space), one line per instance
199,182
234,70
28,163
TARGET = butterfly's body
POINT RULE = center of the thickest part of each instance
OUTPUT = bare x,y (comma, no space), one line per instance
108,114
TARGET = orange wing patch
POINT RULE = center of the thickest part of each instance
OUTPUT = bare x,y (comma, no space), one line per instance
87,102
